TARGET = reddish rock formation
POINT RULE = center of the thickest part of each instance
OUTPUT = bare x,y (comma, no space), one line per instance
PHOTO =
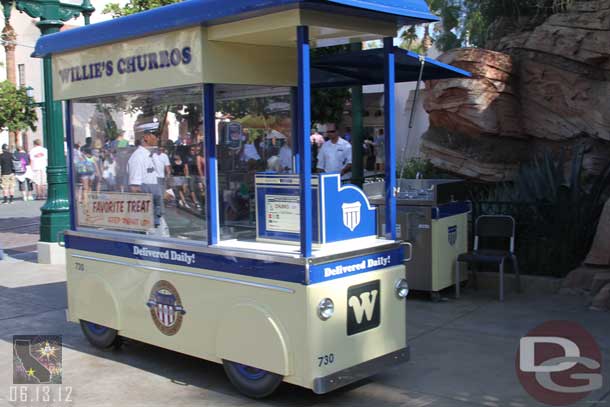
483,105
548,86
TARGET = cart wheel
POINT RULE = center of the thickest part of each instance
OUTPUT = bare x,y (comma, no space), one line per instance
252,382
99,336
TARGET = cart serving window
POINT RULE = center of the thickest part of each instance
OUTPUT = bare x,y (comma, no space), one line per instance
198,223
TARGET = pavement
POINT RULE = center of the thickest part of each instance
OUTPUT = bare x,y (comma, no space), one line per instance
19,228
463,351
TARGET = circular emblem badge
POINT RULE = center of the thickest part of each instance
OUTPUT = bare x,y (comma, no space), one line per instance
559,363
166,307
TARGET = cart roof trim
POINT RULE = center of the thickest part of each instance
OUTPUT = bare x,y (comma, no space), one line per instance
212,12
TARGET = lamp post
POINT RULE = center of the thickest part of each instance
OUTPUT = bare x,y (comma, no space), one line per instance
55,216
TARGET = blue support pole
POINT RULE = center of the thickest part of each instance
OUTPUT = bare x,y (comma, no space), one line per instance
294,102
304,125
211,169
389,123
70,144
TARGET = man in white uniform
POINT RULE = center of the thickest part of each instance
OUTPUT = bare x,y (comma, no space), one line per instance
335,154
143,176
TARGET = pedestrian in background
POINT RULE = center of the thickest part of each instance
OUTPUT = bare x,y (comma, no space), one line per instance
23,173
39,161
7,174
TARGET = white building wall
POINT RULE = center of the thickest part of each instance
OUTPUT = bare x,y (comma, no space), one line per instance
404,96
27,34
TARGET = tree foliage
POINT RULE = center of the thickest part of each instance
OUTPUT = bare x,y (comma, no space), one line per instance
134,6
17,110
469,22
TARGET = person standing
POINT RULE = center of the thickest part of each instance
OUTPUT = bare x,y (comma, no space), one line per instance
39,161
23,172
316,138
380,151
109,168
347,136
7,174
143,176
335,155
163,167
285,155
178,181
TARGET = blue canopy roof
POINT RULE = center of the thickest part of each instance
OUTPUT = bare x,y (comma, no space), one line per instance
208,12
366,68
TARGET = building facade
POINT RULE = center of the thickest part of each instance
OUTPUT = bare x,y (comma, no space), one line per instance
28,70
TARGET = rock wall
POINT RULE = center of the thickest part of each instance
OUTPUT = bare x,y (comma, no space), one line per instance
548,88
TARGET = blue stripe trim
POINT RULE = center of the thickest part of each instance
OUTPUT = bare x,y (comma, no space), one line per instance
390,151
450,209
357,265
207,12
236,265
228,264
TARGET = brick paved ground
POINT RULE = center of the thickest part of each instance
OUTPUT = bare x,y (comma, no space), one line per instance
19,225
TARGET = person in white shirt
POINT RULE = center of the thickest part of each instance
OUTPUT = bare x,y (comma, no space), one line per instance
162,165
335,154
38,161
249,149
286,156
143,176
380,150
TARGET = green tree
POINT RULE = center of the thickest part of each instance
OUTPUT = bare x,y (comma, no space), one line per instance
469,22
17,111
134,6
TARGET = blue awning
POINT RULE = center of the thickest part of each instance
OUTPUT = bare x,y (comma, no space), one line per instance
208,12
366,68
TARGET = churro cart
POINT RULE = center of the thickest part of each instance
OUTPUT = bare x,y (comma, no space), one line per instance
290,282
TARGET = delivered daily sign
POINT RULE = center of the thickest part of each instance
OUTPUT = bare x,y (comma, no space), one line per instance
116,210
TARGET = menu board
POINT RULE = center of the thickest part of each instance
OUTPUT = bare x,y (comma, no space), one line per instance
116,210
282,213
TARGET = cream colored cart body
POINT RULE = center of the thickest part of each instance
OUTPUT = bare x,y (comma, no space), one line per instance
180,238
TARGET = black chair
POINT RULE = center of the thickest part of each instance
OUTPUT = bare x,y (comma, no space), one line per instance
495,227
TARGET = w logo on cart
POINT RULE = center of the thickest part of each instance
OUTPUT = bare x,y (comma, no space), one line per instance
165,307
363,304
452,235
351,215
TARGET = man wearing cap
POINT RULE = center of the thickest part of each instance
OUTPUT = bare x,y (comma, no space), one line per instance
143,176
335,154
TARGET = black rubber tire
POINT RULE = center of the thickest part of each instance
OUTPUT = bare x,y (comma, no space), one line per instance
255,388
100,337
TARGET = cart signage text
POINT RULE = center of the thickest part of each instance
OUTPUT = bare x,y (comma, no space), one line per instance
116,210
164,254
356,265
166,60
